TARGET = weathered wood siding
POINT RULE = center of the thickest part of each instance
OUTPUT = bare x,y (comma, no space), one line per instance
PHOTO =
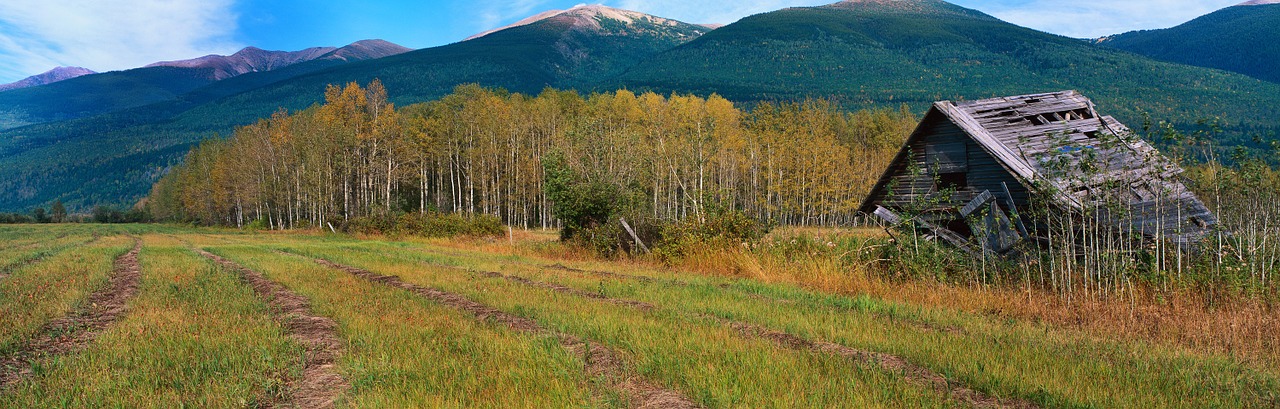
1046,138
945,148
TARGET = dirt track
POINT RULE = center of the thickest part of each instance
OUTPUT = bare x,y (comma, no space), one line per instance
77,329
913,373
321,384
601,362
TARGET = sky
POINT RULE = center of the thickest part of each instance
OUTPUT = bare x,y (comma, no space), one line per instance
107,35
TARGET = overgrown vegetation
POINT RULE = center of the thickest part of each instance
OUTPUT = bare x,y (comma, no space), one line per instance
425,225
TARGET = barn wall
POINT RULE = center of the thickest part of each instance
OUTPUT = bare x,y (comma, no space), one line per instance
944,148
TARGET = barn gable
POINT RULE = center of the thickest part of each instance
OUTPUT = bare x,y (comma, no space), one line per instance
1055,144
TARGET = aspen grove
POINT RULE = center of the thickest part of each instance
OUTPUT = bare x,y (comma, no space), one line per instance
479,151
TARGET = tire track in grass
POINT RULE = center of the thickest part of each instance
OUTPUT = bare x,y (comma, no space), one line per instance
920,324
911,372
7,269
77,329
916,323
601,363
321,383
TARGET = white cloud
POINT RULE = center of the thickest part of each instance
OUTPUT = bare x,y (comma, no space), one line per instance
104,35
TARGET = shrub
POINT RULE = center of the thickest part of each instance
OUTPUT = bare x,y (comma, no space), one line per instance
729,228
426,225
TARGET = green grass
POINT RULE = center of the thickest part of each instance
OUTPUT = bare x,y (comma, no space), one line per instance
194,337
1054,368
707,361
36,293
403,351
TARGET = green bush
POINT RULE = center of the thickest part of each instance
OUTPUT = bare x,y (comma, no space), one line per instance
610,240
427,225
716,229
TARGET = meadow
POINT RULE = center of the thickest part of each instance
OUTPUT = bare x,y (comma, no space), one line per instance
229,318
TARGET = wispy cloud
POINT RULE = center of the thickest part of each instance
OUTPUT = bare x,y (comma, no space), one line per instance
102,35
491,14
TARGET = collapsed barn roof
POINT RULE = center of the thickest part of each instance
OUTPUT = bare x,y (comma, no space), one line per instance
1054,145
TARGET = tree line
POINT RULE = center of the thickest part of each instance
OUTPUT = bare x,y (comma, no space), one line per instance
482,150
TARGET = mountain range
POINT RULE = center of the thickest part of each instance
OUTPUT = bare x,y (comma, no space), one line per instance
90,95
109,147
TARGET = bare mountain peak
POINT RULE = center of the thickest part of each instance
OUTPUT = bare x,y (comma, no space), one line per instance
366,50
48,77
1259,2
586,17
248,59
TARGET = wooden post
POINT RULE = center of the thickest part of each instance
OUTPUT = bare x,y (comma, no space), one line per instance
633,234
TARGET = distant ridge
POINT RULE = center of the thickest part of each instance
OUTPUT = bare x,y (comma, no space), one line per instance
366,50
587,17
47,77
88,95
247,60
253,59
1240,38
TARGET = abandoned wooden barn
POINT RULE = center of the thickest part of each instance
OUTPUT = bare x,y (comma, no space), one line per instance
970,170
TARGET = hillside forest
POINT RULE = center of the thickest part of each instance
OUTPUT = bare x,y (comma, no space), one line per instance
486,151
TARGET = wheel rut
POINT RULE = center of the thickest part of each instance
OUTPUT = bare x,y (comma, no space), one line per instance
601,362
911,372
916,323
77,329
321,384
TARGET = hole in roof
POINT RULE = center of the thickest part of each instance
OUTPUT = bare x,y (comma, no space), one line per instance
1031,101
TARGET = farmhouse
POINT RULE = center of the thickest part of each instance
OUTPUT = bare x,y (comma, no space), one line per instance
970,171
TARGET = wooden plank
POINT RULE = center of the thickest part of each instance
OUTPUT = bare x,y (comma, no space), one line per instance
1009,159
887,215
976,203
633,234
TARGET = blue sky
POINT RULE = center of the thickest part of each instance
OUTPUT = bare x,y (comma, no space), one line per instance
103,35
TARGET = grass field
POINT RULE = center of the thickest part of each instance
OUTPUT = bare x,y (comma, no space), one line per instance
229,319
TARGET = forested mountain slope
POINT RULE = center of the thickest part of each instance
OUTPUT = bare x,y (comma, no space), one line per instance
90,95
114,158
1243,38
920,51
